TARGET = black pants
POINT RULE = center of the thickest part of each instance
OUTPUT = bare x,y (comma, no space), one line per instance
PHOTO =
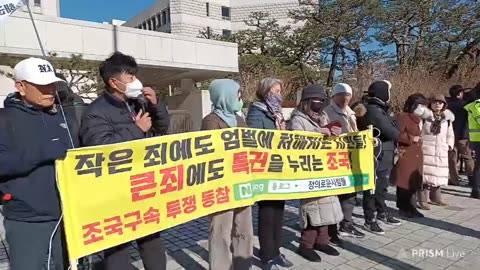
151,251
406,199
270,220
347,201
476,174
376,202
28,245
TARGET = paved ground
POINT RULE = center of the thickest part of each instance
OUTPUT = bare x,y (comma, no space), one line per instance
447,238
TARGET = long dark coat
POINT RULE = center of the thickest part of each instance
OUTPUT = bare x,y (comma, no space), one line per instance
408,170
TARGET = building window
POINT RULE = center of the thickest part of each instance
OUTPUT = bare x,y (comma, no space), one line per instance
164,17
168,14
144,25
159,19
226,13
226,32
37,3
149,25
154,23
207,6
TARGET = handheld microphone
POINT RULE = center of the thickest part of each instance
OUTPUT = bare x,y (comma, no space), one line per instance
142,101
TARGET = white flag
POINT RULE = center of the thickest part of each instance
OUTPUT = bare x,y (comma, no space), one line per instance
7,7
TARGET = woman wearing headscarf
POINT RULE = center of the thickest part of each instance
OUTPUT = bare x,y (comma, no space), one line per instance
407,173
438,138
266,113
231,232
316,213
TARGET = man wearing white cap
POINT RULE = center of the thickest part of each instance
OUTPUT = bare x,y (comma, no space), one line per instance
32,136
339,110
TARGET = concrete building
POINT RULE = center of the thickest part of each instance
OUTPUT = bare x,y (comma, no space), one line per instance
209,17
164,59
44,7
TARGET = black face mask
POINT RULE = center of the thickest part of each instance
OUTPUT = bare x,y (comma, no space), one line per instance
316,106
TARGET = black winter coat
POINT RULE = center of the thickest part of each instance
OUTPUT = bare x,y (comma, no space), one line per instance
460,125
375,113
109,120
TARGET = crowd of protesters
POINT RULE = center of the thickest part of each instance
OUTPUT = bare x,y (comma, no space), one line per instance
417,151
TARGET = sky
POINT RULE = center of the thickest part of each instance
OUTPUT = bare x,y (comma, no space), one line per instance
102,10
106,10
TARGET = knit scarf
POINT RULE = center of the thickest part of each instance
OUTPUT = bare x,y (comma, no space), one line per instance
436,127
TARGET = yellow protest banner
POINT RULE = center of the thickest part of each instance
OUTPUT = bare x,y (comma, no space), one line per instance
117,193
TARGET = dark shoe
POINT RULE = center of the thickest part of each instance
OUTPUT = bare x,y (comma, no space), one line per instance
350,231
334,240
423,206
416,213
452,182
373,227
388,219
280,260
270,266
406,214
327,249
475,194
309,254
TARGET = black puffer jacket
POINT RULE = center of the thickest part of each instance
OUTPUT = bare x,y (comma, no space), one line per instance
373,111
110,120
460,125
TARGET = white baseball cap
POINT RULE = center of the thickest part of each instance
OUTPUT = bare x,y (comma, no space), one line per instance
36,71
341,88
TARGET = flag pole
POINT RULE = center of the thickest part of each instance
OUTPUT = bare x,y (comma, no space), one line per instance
36,30
73,263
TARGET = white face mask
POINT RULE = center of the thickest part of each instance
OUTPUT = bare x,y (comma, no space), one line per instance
134,89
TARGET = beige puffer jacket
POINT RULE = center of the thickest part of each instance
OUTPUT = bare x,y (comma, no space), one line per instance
435,149
323,210
347,117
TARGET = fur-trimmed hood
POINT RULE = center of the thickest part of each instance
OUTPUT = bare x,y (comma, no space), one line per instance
359,109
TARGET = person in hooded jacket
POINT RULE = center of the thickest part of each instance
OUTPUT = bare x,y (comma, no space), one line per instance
266,113
456,104
231,232
316,214
33,134
438,139
374,110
